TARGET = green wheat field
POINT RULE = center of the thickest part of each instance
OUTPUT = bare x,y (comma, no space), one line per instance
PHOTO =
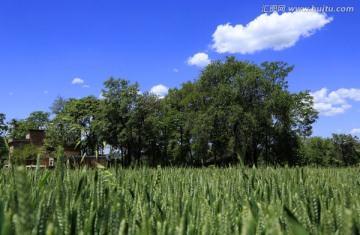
231,200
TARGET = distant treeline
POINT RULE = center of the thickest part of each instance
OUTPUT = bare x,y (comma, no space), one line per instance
235,112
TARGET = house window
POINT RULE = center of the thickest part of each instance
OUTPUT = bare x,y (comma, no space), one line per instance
51,161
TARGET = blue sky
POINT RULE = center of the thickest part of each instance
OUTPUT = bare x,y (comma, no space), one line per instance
46,45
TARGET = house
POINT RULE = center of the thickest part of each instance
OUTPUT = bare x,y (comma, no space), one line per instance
35,137
72,153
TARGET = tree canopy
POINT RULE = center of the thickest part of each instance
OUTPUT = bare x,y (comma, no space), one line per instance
3,130
236,111
37,120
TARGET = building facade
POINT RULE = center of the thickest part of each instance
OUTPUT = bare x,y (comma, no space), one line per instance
72,154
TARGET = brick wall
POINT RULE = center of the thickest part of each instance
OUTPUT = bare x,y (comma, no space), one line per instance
36,137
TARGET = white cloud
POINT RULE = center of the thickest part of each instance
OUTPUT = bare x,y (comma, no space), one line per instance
335,102
77,81
199,59
46,92
175,70
86,86
353,94
159,90
268,32
355,131
101,96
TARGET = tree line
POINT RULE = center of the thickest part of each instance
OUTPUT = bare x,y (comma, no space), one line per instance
235,112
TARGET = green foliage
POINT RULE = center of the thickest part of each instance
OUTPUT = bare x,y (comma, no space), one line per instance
58,105
4,148
65,128
25,152
240,109
235,108
3,127
18,128
37,120
115,123
318,151
180,201
80,116
341,150
347,148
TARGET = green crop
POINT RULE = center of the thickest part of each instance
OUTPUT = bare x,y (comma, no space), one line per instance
180,201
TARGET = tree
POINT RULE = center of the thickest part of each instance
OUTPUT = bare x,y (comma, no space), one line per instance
179,108
114,126
234,111
18,128
25,152
74,125
346,148
318,151
147,122
59,132
58,105
3,127
3,132
37,120
304,115
81,114
242,110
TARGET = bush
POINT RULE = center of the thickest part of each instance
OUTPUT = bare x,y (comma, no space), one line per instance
26,152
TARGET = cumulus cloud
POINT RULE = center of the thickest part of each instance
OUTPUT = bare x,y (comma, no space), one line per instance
77,81
159,90
199,59
268,32
335,102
